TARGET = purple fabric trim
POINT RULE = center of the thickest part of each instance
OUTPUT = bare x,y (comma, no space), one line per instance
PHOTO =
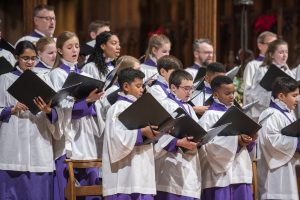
217,106
195,66
163,86
68,69
150,62
82,109
260,58
169,196
298,145
172,147
283,111
232,192
133,196
53,116
208,90
139,138
26,185
5,114
35,34
251,146
180,103
60,178
16,72
41,65
122,98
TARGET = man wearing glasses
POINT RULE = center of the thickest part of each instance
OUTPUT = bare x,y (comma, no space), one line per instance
44,23
203,55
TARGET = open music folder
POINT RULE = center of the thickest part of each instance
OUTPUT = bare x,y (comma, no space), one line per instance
240,123
292,130
147,110
29,85
269,78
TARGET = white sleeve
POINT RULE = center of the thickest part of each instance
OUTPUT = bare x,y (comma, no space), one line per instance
221,151
248,80
120,140
277,149
91,69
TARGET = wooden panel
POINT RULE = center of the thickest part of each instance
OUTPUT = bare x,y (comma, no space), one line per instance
206,20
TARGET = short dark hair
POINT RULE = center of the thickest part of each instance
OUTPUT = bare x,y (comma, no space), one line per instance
168,62
95,25
128,75
284,85
23,45
40,7
215,67
220,80
178,76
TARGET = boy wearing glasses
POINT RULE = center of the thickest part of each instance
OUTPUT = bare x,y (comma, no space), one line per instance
165,66
177,173
44,23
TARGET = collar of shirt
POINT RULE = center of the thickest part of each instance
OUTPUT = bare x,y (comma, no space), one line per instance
126,97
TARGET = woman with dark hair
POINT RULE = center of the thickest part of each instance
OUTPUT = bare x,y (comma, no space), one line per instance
26,155
107,50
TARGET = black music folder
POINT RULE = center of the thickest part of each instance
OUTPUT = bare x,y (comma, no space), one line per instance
147,111
85,49
240,123
7,46
5,66
292,130
200,74
85,85
233,72
113,97
269,78
29,85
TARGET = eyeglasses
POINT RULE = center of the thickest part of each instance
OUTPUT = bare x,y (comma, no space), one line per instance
47,18
187,88
207,52
28,58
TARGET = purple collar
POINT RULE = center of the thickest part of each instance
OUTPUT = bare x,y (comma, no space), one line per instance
41,65
180,103
218,107
150,62
260,58
195,66
122,98
35,34
16,72
163,86
208,90
68,69
283,111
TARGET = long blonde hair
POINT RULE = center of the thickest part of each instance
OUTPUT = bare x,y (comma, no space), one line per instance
156,41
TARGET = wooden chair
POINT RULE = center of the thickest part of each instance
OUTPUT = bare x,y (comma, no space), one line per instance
254,181
298,178
71,190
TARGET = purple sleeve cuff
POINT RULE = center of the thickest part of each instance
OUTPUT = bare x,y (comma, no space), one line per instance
251,146
139,139
53,117
298,145
171,147
5,114
82,109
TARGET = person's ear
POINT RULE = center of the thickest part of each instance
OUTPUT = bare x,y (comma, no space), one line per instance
59,51
154,51
163,72
102,46
280,96
125,87
93,35
173,87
